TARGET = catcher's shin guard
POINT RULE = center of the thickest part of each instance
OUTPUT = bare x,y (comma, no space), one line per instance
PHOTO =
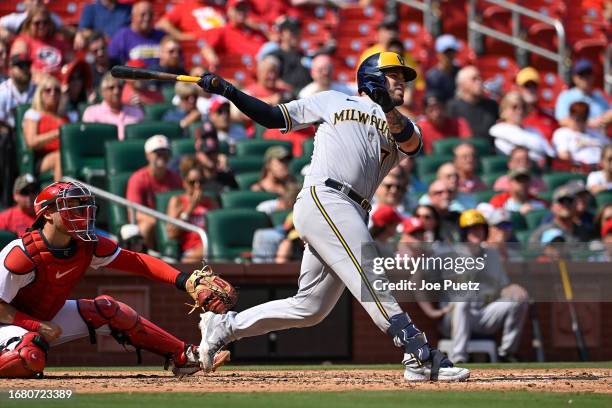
128,327
27,359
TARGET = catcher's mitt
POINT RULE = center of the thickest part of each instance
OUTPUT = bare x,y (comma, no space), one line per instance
210,292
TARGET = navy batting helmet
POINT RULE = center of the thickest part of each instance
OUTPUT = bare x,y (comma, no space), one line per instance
370,73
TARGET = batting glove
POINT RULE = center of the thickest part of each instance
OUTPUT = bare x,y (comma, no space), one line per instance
214,84
381,96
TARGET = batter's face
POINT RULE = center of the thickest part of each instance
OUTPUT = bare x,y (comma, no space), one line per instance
396,84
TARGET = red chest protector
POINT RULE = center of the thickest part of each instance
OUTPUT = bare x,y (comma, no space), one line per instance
55,278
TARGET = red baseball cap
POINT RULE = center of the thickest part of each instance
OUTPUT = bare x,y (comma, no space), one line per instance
136,63
606,228
385,215
216,104
413,224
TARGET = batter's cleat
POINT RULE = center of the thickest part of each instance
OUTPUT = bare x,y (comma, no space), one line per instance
438,368
211,350
188,363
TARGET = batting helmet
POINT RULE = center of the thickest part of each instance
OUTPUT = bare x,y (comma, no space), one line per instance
371,71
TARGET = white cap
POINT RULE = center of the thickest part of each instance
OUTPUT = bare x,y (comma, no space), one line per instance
128,231
446,42
156,142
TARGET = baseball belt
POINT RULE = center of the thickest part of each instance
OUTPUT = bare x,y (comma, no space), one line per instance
352,194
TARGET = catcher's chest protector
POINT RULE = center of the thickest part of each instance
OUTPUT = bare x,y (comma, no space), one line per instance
55,278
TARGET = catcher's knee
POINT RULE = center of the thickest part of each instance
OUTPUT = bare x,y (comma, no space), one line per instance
27,359
106,310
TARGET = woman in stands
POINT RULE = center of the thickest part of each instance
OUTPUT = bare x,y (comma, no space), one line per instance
77,87
191,206
275,175
41,126
38,39
510,133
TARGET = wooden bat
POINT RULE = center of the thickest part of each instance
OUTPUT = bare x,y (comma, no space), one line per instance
123,72
569,296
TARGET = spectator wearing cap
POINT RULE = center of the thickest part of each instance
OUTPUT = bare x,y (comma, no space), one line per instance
509,132
321,71
441,78
154,178
500,232
98,59
189,19
12,23
563,209
77,88
186,113
448,173
599,112
21,216
18,89
601,180
191,206
139,41
519,159
140,92
218,176
236,37
106,16
111,110
385,220
293,70
437,125
131,239
219,116
552,241
575,141
518,198
528,82
387,31
470,103
583,216
275,175
41,126
40,40
465,161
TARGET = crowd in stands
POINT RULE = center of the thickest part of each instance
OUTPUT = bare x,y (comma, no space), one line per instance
501,153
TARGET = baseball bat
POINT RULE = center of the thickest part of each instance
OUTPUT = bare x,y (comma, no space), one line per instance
569,297
123,72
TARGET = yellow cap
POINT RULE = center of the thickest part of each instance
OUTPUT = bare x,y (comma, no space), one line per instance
527,74
469,218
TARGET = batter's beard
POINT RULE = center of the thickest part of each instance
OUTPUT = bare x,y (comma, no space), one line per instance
397,100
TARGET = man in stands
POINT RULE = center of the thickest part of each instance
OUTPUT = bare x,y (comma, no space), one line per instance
441,78
528,82
21,216
321,71
437,124
466,161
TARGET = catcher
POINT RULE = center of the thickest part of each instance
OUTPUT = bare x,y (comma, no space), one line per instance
39,270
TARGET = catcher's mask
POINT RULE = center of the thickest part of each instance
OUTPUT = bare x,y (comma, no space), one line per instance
372,69
75,204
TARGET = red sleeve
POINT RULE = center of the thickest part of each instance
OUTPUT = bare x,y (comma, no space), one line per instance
4,220
144,265
174,16
464,128
214,37
499,200
134,189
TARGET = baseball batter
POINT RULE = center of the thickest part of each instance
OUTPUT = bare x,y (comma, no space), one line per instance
360,138
39,270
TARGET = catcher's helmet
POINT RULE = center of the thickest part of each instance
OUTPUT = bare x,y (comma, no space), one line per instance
470,218
371,70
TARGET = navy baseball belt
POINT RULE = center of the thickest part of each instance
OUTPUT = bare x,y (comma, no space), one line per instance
352,194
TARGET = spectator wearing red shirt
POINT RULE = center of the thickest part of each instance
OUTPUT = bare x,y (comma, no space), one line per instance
465,161
191,206
518,198
236,37
41,126
149,180
21,216
519,159
528,81
267,87
438,125
39,40
189,19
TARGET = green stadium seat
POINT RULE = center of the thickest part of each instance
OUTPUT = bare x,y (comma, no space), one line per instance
558,178
257,147
297,164
168,92
546,195
447,145
230,231
117,214
6,237
125,156
484,196
523,236
490,178
25,155
603,198
168,247
246,180
245,199
494,164
279,217
429,178
145,130
518,221
308,147
245,164
182,147
83,151
534,218
157,111
429,164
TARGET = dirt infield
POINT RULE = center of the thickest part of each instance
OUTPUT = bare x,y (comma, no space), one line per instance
98,381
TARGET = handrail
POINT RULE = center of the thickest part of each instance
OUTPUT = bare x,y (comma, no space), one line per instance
514,39
608,69
425,7
138,207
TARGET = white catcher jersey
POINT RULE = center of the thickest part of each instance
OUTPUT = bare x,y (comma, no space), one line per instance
353,143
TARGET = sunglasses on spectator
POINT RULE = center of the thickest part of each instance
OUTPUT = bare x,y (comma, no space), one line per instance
174,51
97,50
566,201
54,89
185,97
40,22
424,216
193,182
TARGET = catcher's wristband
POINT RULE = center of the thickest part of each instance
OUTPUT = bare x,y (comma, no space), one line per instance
181,281
27,322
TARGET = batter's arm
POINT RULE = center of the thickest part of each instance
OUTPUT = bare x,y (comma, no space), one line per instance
404,131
